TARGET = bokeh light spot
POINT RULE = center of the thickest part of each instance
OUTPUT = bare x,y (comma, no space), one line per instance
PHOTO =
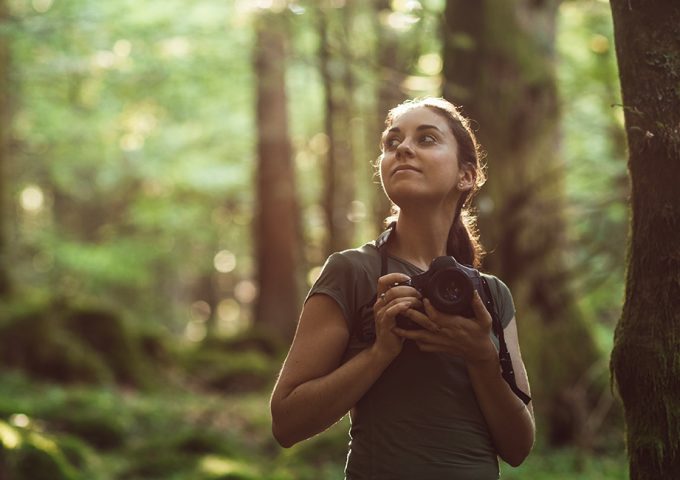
32,199
245,291
224,261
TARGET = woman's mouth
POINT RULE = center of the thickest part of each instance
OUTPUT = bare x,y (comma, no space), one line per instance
404,168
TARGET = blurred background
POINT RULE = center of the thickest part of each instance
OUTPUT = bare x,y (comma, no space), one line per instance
173,174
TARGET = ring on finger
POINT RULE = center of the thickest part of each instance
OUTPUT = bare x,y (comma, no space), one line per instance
382,296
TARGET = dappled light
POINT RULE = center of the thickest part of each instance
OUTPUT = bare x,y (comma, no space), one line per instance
174,177
42,6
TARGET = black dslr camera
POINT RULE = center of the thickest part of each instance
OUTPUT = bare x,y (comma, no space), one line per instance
449,286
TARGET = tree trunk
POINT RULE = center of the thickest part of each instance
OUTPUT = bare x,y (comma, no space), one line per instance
277,210
645,360
392,69
499,65
4,146
339,178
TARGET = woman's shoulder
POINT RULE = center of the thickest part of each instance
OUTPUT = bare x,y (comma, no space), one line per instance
494,280
359,257
502,298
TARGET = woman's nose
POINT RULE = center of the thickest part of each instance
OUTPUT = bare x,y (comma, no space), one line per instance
404,149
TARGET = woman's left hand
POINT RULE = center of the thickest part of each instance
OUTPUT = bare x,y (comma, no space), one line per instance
458,336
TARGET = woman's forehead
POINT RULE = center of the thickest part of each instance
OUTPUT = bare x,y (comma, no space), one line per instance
417,116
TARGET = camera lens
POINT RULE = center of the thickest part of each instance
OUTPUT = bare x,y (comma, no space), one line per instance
451,291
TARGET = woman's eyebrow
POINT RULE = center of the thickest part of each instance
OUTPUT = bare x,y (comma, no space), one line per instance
418,128
428,127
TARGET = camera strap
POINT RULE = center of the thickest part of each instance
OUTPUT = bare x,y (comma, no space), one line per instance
507,371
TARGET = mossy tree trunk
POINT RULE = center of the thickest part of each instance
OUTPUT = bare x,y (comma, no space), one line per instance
4,145
499,65
645,360
338,82
276,218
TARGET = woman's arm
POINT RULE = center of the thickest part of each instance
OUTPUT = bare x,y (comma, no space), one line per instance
314,390
510,422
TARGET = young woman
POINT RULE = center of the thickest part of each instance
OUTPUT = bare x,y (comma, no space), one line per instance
426,403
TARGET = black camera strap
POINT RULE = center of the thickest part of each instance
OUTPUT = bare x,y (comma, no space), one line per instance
507,371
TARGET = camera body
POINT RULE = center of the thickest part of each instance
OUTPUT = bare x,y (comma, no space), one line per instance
449,286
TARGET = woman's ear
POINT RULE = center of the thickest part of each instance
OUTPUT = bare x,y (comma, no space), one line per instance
466,179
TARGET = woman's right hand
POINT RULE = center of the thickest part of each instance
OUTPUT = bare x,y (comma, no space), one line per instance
392,300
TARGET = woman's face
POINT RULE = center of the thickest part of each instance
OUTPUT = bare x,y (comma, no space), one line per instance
420,160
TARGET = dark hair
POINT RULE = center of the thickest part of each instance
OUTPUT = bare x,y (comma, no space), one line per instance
463,241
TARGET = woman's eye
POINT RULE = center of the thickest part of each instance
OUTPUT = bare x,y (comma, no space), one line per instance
391,143
427,139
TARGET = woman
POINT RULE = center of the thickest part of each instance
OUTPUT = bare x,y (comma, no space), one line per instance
426,403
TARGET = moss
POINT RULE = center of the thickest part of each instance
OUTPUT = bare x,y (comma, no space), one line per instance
158,464
101,425
231,371
250,340
75,343
107,333
192,440
31,455
75,451
32,341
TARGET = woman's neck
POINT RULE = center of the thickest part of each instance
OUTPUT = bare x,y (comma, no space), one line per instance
419,239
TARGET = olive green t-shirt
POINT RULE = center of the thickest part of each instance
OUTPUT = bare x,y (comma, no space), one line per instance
420,420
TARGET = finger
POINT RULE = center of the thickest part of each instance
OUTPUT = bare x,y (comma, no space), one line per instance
402,291
423,320
387,281
479,309
399,292
391,312
431,312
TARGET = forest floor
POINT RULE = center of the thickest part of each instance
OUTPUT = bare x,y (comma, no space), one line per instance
99,433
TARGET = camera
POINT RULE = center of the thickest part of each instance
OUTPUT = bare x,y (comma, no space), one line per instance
449,286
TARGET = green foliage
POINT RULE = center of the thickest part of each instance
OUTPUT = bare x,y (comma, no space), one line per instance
135,125
248,362
26,454
99,424
595,155
72,343
33,341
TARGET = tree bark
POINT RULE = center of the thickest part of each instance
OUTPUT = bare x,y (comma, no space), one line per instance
5,115
499,65
645,361
276,231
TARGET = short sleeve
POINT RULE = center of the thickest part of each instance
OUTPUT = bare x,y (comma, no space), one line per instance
503,300
338,280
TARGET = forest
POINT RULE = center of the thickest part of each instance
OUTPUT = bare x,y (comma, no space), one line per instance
174,174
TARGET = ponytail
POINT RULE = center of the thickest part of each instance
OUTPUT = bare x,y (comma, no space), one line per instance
463,241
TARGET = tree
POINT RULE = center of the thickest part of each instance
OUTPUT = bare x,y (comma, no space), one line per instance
392,70
645,361
4,144
338,84
499,65
277,211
